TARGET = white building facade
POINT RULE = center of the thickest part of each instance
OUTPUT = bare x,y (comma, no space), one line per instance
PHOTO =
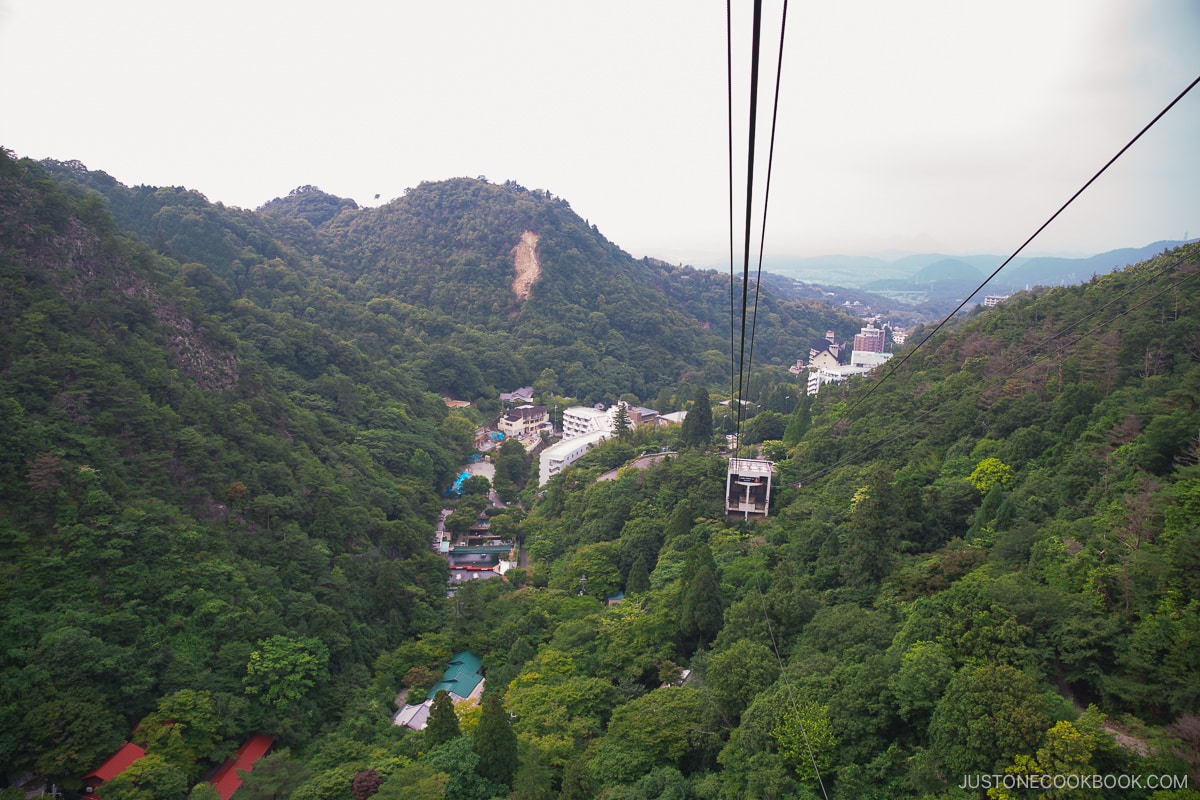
557,457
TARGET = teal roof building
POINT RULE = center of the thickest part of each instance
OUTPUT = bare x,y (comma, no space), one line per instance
462,676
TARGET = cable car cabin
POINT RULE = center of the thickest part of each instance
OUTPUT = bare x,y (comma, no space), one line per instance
748,487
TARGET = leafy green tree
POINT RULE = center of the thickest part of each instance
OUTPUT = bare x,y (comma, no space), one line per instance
1065,750
275,776
991,472
735,676
68,734
872,534
803,736
443,722
661,728
415,782
534,779
577,782
196,717
495,743
987,716
458,759
925,669
283,671
204,791
151,777
763,426
476,485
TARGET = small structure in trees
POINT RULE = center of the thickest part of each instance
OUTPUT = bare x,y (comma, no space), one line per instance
117,763
228,779
463,680
748,487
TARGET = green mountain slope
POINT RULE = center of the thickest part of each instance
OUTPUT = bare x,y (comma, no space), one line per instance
986,564
178,492
435,269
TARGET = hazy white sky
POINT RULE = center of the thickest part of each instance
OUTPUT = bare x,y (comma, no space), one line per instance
927,125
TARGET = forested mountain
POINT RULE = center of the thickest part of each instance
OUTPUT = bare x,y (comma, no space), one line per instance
435,273
222,449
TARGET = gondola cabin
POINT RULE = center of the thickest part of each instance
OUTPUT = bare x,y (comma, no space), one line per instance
748,487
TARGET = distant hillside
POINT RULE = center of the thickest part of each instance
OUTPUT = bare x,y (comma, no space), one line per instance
859,272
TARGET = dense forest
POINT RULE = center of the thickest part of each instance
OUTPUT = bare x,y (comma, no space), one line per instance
223,447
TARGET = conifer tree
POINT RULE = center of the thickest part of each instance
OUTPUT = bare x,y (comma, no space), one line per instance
702,614
443,722
639,576
697,427
576,783
799,423
621,423
496,743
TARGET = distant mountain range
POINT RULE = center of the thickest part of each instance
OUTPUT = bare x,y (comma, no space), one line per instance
939,275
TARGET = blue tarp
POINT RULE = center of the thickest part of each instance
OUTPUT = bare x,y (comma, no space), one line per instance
456,489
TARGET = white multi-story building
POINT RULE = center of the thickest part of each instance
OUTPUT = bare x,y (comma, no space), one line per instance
557,457
860,364
582,420
869,359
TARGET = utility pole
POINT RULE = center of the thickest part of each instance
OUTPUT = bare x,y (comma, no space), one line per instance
582,585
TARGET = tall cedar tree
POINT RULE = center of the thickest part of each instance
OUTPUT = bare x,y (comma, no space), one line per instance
577,782
639,576
697,427
443,722
621,423
702,614
496,743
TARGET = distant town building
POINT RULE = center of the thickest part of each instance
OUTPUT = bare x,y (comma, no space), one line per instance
523,420
861,364
825,352
637,415
899,336
870,340
673,418
868,359
582,420
518,397
557,457
995,299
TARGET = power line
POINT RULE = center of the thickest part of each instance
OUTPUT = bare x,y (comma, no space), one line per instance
1017,252
766,199
755,47
743,363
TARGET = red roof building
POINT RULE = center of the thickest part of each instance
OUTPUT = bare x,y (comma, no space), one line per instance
117,763
227,780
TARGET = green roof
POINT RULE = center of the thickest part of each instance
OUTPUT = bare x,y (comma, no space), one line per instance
462,676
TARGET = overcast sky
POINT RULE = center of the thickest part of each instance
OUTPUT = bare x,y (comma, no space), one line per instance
929,125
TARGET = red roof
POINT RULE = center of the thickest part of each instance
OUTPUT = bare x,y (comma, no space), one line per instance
117,763
227,780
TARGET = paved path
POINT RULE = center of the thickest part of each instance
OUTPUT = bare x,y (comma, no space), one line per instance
640,463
